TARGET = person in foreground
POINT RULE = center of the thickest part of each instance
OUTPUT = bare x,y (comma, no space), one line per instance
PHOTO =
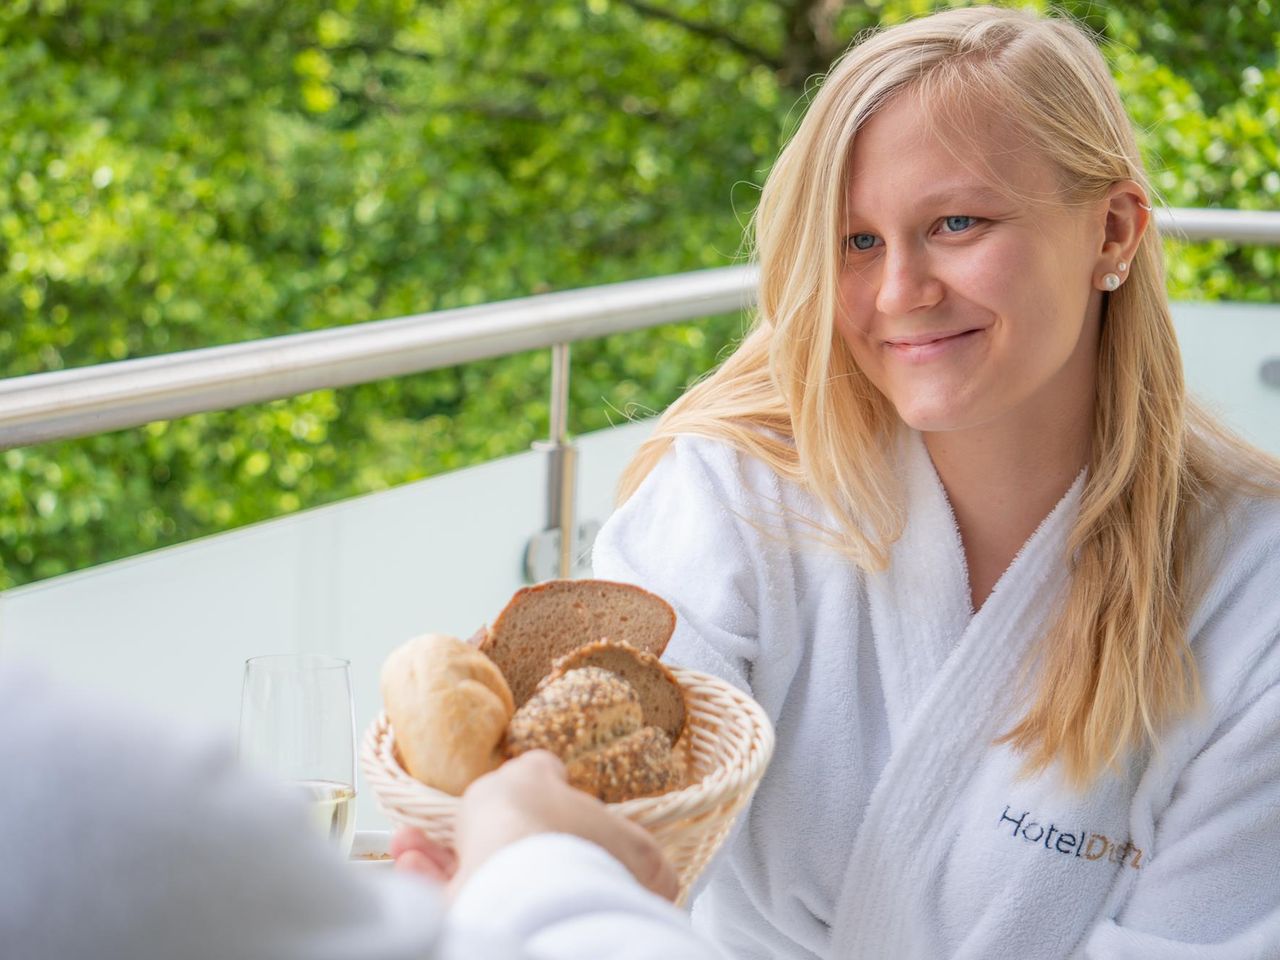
125,841
1007,594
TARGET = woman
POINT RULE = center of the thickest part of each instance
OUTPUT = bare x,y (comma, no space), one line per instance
1007,595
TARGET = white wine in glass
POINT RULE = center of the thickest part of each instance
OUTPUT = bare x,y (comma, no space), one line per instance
333,809
297,720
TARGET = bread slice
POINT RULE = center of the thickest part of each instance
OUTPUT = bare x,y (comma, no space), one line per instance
661,698
542,623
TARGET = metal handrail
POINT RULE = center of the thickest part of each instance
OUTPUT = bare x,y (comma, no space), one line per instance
90,400
1234,226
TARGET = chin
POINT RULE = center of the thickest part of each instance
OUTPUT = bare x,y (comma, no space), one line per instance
933,420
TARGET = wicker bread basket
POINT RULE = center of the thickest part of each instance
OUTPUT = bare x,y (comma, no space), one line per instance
730,741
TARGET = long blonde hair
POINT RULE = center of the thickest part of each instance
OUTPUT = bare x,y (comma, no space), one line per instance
792,395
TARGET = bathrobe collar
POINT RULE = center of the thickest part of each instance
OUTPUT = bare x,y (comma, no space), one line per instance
949,678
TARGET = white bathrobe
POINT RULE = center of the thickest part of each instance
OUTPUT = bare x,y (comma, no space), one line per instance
888,826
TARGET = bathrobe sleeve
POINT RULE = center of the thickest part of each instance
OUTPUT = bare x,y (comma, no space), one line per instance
685,535
127,838
1211,890
558,897
123,841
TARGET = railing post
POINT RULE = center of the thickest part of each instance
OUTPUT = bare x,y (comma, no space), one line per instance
550,553
562,471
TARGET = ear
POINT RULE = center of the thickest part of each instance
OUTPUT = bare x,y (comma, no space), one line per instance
1127,216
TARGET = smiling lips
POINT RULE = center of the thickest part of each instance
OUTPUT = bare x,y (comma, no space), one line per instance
927,346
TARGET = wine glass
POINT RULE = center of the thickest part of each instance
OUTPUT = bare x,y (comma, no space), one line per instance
297,720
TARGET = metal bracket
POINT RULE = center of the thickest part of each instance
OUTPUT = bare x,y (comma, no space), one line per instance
1270,372
563,545
542,555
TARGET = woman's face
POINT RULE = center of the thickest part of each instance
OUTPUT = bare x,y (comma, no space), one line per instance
966,306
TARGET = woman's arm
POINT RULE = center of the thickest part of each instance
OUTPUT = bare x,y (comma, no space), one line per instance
685,535
1212,891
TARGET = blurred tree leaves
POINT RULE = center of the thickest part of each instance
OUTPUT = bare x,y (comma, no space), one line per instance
183,174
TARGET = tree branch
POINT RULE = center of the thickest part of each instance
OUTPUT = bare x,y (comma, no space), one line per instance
708,30
810,43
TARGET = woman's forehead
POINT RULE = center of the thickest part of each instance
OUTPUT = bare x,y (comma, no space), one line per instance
930,156
962,190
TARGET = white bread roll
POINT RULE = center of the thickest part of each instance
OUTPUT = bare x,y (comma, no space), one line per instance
449,707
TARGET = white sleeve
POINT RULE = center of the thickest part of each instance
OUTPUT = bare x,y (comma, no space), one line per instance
562,898
1212,891
684,535
125,840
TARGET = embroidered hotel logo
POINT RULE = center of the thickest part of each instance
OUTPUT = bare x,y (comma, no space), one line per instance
1089,846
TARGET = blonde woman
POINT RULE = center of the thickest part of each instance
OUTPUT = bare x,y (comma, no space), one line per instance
1010,599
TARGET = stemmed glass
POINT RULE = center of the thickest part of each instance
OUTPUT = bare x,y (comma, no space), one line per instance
297,720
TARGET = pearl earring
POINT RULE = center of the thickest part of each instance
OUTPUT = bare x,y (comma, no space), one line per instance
1122,266
1111,282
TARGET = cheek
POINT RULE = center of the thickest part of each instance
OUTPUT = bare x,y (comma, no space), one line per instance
1050,299
855,312
1000,278
853,298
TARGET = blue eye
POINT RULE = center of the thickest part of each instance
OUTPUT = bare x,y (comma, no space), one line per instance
958,224
860,241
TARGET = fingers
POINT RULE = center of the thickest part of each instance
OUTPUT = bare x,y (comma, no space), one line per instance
651,867
635,848
417,862
414,852
406,838
531,794
532,767
625,841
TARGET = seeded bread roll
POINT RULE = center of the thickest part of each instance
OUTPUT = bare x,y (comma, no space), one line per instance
449,707
661,698
542,623
591,719
640,764
583,711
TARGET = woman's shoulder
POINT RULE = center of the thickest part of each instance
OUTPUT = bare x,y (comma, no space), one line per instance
1241,529
1235,626
737,442
1237,489
743,469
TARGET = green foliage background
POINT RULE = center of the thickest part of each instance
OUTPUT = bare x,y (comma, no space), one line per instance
184,174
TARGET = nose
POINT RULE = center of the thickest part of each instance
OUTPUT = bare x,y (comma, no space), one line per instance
907,281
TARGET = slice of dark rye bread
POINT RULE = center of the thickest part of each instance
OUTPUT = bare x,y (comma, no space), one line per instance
542,623
661,699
